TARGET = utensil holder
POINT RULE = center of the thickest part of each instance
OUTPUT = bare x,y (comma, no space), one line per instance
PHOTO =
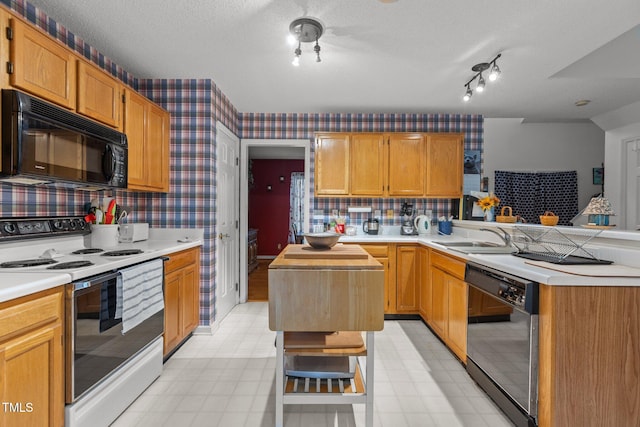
445,227
104,235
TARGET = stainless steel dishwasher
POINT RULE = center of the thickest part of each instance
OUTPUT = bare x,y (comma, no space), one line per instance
502,349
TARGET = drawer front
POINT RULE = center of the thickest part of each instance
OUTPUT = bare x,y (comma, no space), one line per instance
451,265
180,260
29,312
378,251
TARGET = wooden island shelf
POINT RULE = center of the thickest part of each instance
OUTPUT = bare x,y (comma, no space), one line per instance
311,298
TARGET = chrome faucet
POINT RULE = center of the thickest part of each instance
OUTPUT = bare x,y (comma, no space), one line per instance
504,236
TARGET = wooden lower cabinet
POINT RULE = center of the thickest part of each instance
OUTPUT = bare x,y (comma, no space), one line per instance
449,307
424,284
32,360
382,253
407,276
181,297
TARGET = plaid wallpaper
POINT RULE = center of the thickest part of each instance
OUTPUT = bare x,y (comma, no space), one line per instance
303,126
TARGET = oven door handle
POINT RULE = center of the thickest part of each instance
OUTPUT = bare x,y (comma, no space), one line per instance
94,280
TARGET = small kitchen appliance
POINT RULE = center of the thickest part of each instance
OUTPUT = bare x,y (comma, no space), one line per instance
422,223
134,232
79,152
371,226
407,228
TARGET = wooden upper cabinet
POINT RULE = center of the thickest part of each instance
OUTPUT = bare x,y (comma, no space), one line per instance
41,66
367,164
148,130
99,95
332,165
444,165
157,148
406,165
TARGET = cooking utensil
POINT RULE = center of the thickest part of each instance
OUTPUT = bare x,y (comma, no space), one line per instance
99,216
109,215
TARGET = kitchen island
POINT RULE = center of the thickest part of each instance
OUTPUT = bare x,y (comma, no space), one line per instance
312,294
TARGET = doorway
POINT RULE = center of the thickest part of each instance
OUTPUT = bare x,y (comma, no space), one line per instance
227,220
632,184
266,149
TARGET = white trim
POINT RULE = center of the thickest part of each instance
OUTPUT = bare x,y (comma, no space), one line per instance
220,127
244,194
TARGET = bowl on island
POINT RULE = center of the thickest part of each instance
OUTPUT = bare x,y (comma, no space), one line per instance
325,240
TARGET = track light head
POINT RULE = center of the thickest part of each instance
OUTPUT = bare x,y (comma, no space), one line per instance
495,72
481,83
468,94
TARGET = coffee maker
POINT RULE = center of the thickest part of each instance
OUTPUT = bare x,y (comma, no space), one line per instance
407,228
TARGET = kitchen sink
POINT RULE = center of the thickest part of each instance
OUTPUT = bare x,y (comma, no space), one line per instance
478,247
468,244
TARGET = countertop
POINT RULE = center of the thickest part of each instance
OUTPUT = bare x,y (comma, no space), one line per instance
512,264
161,242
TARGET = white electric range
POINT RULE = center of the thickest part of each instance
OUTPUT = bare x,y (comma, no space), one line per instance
106,372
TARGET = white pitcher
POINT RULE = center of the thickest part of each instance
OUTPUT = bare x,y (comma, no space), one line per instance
422,224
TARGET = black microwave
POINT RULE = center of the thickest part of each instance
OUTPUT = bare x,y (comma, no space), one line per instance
46,144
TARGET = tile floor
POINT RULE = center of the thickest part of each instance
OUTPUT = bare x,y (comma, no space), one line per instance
227,380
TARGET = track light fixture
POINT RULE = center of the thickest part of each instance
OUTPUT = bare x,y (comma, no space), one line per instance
479,69
305,30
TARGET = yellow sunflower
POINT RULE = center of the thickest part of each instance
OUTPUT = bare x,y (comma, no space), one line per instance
488,202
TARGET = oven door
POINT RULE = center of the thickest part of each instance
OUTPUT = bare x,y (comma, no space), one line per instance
96,344
502,343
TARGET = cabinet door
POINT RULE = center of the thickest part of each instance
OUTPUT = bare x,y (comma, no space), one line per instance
42,66
99,95
457,317
32,360
440,303
406,165
444,165
190,299
406,278
157,148
148,131
332,165
135,120
367,165
424,284
172,320
31,367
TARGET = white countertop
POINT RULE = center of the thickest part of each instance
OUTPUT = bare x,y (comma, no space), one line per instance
613,249
161,242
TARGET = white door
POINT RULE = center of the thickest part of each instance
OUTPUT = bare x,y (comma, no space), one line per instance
227,217
632,214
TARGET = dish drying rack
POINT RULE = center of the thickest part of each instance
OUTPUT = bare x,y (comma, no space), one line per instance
552,245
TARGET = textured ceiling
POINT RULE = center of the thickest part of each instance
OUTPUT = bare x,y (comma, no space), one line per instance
410,56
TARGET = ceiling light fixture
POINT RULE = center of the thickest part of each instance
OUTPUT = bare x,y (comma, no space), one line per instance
306,30
494,73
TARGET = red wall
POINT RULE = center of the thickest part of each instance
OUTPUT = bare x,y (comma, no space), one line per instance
269,210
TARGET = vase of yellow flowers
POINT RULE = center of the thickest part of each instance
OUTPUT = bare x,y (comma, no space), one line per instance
488,205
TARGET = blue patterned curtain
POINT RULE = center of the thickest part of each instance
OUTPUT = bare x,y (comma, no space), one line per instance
531,194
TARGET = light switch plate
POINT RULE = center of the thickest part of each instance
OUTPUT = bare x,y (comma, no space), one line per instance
390,213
